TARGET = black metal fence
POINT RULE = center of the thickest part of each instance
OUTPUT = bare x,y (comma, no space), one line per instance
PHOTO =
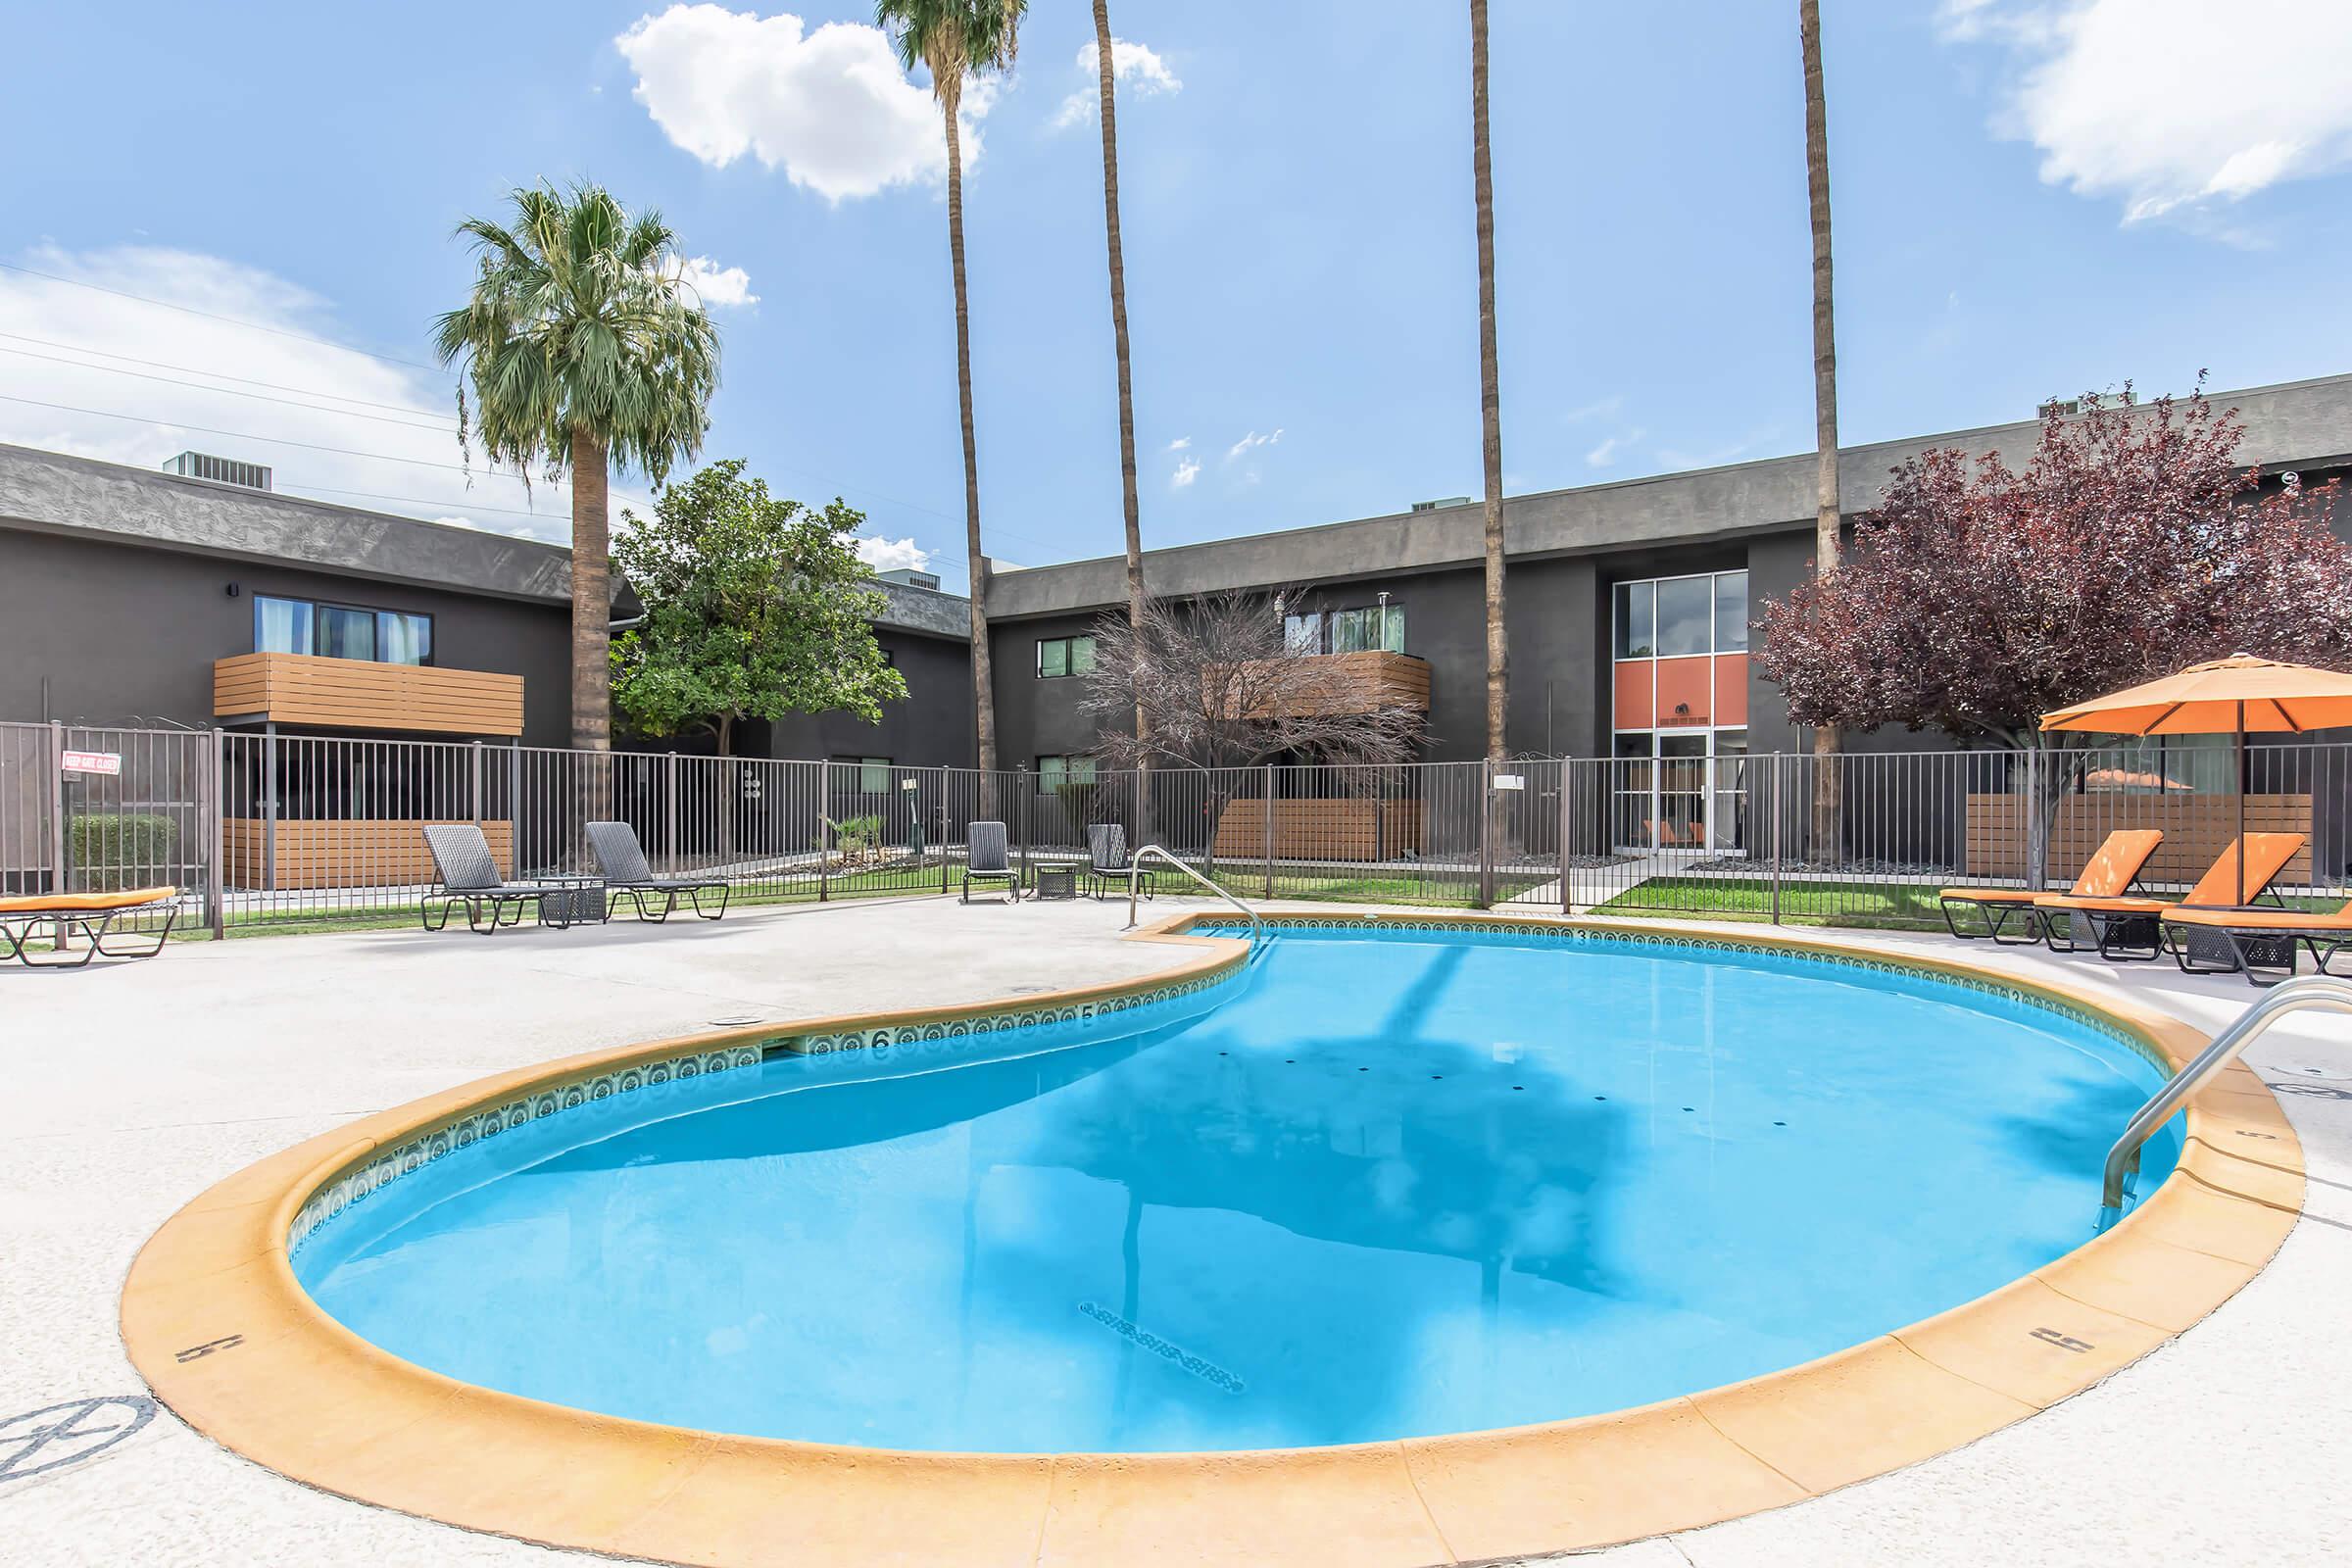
260,831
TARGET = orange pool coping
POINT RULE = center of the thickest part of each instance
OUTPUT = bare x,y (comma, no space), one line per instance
215,1320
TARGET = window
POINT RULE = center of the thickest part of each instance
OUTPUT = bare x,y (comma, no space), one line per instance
1052,773
1367,629
1373,628
874,774
1686,616
280,626
1635,606
1731,613
1064,656
340,631
346,633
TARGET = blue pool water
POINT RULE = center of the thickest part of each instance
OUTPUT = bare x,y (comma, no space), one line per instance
1382,1187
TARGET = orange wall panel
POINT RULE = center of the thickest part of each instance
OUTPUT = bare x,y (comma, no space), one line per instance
1633,695
1731,690
1683,695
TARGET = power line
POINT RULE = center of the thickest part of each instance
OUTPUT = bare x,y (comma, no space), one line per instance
247,435
215,316
424,463
223,376
232,392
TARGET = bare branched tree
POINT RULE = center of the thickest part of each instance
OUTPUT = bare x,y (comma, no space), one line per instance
1217,684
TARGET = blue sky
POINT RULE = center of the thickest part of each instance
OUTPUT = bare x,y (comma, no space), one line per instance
2031,198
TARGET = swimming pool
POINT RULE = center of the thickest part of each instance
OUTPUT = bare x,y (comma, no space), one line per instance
1387,1183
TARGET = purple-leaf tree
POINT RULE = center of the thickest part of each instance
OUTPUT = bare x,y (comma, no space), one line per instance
1973,599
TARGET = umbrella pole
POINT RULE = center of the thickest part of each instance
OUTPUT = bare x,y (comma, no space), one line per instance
2241,804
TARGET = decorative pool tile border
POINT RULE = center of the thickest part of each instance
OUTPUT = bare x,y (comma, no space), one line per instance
937,1034
1566,935
419,1149
932,1035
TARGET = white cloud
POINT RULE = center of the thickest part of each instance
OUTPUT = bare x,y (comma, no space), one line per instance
1180,443
1186,471
1142,71
894,555
157,381
829,106
716,286
2171,106
1599,407
1248,442
1606,454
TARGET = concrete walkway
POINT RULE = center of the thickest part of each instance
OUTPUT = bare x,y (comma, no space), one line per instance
131,1088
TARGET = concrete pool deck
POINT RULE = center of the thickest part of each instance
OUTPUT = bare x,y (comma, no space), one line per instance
137,1086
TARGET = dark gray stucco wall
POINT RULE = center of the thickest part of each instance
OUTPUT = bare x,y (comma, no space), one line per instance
931,728
122,631
1036,718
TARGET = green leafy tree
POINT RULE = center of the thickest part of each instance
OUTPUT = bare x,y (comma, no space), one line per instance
584,350
951,39
755,607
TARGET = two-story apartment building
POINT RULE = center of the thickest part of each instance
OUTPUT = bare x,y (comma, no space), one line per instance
1629,603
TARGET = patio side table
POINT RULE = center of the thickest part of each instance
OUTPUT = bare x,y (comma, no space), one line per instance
582,902
1056,882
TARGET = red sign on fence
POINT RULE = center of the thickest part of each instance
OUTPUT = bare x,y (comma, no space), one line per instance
108,763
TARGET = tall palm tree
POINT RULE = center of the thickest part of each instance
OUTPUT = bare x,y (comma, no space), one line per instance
1490,387
1118,339
583,353
1829,786
952,38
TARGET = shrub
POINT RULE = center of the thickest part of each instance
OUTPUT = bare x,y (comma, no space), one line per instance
115,849
858,833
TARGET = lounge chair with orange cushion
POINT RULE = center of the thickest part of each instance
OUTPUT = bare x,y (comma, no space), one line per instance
93,914
2130,927
2262,944
2108,874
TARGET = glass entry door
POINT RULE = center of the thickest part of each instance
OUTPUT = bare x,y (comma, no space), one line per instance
1682,790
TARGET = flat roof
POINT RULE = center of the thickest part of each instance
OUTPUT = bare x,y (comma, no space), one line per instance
2294,422
55,492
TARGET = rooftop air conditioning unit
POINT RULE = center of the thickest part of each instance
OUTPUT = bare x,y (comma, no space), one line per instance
1446,501
908,577
220,471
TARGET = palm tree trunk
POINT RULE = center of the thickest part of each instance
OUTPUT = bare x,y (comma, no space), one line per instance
1490,388
591,599
1829,785
984,706
591,643
1118,337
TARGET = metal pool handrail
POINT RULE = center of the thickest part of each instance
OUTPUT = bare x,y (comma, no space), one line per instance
2312,991
1257,927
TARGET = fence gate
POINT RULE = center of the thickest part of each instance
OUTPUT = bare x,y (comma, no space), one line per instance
92,809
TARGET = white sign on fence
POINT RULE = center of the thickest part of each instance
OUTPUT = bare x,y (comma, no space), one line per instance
1511,781
108,763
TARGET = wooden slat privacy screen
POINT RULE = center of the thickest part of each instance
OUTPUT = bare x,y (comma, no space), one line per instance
330,852
1347,683
359,694
2196,829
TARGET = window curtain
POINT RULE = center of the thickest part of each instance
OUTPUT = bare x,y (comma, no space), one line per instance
280,626
404,639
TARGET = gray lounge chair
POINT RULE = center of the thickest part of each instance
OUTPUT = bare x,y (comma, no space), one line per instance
1106,858
988,859
627,876
468,874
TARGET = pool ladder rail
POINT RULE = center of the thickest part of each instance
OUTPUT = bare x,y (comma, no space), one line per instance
1154,852
2312,992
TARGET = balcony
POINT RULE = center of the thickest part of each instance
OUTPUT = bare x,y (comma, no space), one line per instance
1340,684
347,694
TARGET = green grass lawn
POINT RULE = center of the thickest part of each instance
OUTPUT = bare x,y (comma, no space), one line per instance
1870,904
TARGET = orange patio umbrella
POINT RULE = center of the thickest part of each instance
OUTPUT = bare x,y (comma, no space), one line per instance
2235,695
